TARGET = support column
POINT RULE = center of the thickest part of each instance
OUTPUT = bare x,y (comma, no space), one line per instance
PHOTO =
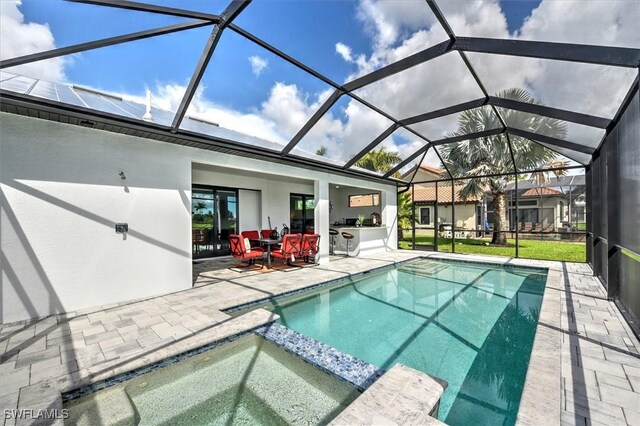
321,217
389,218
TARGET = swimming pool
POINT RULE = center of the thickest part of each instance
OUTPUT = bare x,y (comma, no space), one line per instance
470,324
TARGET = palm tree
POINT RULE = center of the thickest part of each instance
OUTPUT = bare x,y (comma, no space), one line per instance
379,160
491,154
404,213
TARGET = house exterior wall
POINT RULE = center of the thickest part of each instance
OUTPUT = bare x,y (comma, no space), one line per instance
274,193
552,214
60,196
465,217
425,175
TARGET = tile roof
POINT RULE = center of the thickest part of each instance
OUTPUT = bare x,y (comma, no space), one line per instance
428,194
537,192
435,170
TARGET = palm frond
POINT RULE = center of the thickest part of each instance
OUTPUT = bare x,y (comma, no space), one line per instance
491,155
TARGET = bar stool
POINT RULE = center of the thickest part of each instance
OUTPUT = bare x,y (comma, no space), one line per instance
332,233
347,236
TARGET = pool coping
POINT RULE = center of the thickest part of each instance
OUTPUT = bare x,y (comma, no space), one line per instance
139,371
542,387
335,281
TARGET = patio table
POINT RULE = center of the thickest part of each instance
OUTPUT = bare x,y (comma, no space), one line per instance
268,242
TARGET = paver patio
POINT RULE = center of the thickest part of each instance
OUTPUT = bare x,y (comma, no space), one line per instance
599,356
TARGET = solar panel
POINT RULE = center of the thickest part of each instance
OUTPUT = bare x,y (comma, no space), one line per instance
19,84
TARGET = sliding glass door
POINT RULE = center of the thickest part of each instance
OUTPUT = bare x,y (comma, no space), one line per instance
214,216
301,213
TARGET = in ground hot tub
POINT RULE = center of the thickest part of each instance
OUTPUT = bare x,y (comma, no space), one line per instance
247,381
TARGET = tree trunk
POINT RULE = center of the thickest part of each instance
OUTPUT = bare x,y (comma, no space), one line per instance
499,219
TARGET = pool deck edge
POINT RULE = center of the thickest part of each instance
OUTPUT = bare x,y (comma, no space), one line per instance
541,399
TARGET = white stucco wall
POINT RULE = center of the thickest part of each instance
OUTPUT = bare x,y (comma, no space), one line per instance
60,196
250,204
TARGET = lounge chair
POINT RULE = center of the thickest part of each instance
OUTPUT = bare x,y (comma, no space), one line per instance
240,251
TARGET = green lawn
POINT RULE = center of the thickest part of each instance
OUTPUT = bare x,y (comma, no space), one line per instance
201,225
530,249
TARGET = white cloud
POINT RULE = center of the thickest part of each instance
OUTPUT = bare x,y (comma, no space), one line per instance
396,30
18,38
396,33
258,64
344,51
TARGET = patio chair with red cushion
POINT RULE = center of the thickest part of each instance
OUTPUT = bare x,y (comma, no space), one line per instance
310,246
252,235
265,233
291,246
240,251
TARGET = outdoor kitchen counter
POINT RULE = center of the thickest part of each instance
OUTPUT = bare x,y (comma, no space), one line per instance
366,239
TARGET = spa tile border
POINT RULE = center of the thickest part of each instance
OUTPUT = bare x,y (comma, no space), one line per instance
120,378
341,365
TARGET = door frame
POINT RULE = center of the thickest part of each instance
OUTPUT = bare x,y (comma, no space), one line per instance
304,210
214,238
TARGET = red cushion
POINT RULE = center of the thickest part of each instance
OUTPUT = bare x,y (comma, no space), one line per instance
279,254
251,234
253,254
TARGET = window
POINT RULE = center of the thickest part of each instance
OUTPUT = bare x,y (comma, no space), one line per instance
523,203
425,216
364,200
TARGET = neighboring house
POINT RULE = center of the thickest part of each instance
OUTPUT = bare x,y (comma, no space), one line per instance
557,206
467,211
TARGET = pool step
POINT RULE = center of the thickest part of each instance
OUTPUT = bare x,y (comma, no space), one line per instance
424,269
111,407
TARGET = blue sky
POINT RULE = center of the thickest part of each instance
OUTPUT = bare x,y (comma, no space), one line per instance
307,30
248,90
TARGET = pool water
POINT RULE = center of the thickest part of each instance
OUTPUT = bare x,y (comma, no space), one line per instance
469,324
246,382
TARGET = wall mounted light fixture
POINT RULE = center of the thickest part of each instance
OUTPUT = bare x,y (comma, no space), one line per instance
122,175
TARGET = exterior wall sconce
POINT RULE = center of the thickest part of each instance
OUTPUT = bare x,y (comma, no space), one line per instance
122,175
